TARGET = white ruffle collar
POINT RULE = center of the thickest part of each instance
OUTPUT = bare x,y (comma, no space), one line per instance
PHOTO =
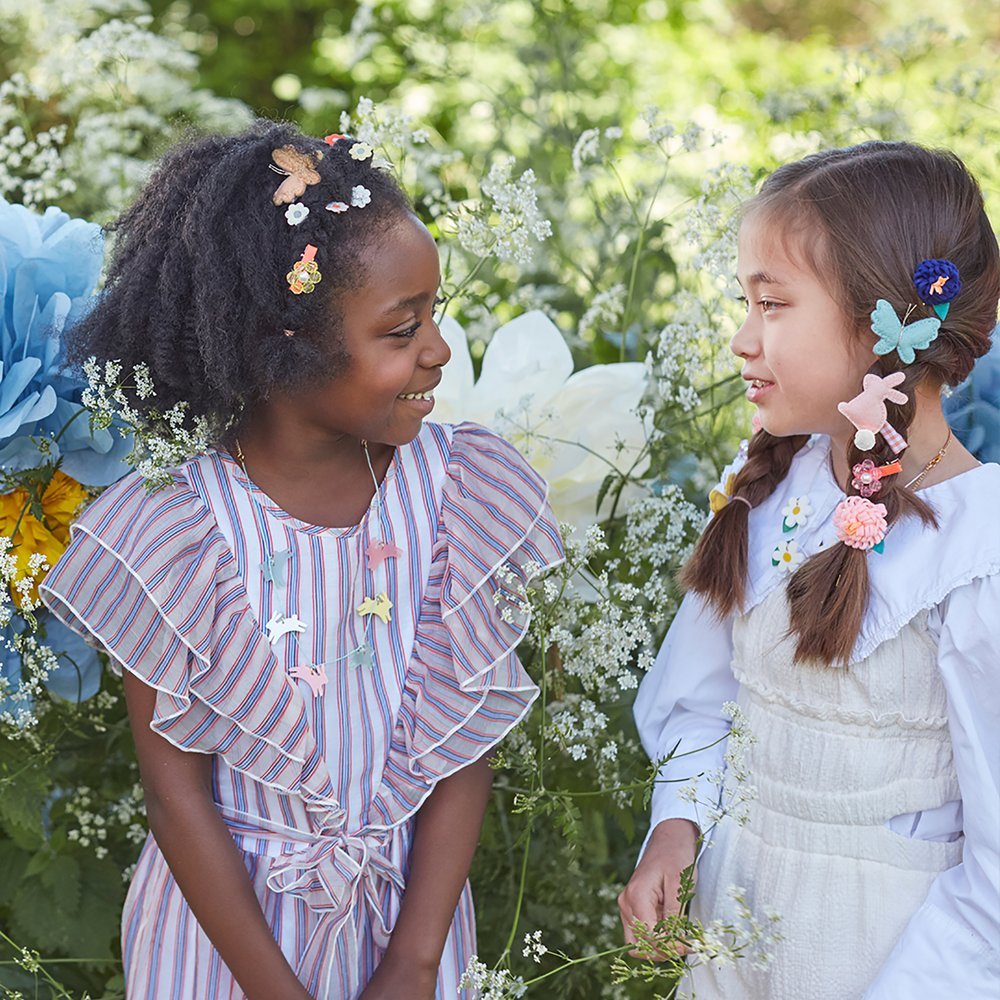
919,567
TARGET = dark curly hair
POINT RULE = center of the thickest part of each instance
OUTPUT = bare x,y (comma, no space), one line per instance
196,286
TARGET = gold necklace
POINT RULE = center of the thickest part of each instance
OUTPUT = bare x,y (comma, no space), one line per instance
917,479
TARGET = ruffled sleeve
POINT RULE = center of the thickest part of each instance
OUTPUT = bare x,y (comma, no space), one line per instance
466,688
150,580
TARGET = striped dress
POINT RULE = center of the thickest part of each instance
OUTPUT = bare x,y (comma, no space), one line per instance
234,611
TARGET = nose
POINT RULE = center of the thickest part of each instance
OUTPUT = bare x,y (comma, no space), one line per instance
745,342
436,352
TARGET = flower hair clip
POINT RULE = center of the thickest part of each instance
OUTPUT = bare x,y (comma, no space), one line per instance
867,476
860,523
937,282
305,274
867,411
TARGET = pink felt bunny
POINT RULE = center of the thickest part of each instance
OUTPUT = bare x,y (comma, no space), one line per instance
868,413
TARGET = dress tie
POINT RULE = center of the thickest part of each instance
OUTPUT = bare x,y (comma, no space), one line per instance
336,875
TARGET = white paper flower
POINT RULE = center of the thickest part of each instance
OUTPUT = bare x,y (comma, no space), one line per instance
360,151
787,557
568,425
360,196
796,513
296,213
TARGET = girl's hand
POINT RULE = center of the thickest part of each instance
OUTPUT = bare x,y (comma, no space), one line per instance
393,982
651,894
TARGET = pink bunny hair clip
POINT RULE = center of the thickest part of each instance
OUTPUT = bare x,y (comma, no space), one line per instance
868,413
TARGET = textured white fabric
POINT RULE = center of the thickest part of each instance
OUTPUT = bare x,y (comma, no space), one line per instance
942,583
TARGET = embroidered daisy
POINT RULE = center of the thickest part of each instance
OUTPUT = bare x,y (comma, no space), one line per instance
296,213
360,196
796,513
360,151
786,556
336,206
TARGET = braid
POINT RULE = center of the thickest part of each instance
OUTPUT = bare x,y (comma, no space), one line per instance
828,594
718,567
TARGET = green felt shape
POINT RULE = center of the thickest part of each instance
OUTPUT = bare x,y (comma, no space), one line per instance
942,309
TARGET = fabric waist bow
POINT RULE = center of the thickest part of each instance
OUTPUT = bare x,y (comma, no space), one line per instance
337,875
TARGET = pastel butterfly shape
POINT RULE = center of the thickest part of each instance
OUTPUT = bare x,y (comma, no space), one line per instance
300,171
894,336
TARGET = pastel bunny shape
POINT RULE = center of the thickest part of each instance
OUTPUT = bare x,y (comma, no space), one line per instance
867,410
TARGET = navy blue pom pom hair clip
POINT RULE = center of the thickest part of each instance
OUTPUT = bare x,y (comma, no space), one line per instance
937,283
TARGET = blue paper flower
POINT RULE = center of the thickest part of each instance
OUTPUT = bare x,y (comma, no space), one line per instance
49,265
973,409
78,676
937,281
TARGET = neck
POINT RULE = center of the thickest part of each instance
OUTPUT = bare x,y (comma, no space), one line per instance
925,437
295,448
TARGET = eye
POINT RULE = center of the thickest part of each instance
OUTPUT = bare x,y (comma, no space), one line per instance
744,300
767,305
408,333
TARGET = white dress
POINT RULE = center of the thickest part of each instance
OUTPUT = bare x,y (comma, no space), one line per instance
875,833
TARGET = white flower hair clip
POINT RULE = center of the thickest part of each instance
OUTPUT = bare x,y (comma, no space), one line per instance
296,213
360,196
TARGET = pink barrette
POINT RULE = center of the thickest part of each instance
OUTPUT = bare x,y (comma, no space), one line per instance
860,523
868,413
868,476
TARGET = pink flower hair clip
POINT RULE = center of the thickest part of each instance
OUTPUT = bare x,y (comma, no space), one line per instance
860,523
868,476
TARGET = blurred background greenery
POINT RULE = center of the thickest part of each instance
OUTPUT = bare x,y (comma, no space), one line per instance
641,221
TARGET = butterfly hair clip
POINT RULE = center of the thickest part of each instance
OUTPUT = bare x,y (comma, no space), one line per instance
937,282
897,335
299,171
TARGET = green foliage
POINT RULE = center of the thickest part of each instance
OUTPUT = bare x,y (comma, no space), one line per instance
641,217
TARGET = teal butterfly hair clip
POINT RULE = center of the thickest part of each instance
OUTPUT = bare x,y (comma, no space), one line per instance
897,335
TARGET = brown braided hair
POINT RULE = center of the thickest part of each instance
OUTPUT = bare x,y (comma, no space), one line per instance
873,212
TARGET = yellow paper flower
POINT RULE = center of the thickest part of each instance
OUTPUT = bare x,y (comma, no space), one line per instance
60,503
718,499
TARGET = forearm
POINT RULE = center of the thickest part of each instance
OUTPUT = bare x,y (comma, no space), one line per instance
445,836
209,870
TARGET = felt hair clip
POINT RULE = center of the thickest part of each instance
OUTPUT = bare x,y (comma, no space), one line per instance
867,476
304,275
860,523
937,282
299,170
868,413
897,335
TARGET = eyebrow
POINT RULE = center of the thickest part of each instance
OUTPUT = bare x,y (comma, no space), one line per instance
408,303
763,278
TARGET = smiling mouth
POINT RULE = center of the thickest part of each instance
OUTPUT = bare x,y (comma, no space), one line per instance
428,395
759,383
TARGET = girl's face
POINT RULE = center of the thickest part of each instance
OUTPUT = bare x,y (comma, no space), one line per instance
801,357
395,349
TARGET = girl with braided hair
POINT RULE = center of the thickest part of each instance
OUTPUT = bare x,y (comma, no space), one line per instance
316,650
846,596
